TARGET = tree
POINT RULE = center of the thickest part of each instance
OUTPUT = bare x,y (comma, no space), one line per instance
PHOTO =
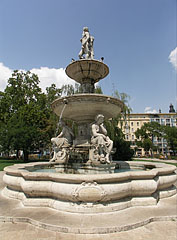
69,89
98,90
123,151
146,135
52,93
170,134
25,115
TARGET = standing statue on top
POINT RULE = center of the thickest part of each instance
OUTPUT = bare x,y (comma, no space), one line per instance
87,45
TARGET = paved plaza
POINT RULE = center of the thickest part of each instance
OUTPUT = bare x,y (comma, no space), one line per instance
149,223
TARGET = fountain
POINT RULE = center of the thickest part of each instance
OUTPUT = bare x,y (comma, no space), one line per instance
81,177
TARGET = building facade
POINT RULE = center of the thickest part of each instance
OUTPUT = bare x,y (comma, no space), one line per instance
136,120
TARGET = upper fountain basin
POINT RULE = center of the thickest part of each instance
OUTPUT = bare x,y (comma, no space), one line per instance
84,107
87,69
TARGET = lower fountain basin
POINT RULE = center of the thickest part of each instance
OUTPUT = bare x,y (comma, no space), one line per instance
90,193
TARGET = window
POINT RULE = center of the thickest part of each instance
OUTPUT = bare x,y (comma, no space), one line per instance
127,130
132,129
131,123
138,124
133,137
163,121
155,139
173,120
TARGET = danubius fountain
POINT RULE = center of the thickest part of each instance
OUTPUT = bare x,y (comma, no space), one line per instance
81,177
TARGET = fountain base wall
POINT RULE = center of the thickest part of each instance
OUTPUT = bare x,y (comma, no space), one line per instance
90,193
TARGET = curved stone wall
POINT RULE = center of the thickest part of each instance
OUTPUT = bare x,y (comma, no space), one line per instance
90,193
76,109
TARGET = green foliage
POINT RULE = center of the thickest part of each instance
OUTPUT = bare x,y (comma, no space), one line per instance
52,94
25,114
123,151
170,134
150,130
146,134
4,162
69,89
126,108
147,144
98,90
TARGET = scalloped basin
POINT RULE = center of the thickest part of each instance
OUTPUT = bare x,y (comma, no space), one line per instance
84,107
81,168
87,69
90,193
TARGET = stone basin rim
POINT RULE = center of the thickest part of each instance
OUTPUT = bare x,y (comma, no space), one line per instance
109,106
89,96
159,168
79,62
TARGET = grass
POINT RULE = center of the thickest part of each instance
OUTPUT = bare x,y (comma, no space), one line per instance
8,162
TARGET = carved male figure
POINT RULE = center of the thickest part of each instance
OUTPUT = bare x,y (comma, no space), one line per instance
87,45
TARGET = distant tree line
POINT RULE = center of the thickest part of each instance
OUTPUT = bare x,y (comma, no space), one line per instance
146,134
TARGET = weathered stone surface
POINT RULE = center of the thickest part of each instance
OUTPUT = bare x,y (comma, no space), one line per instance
83,108
83,71
106,192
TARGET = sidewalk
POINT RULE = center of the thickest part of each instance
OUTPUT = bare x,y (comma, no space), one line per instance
136,223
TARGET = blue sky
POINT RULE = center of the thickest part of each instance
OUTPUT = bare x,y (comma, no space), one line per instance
136,38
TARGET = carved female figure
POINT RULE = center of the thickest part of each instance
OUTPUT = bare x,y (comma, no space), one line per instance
63,140
100,138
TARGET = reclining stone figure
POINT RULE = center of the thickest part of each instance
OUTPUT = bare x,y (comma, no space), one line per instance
102,143
61,142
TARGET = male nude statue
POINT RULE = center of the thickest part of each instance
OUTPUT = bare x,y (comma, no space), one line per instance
87,45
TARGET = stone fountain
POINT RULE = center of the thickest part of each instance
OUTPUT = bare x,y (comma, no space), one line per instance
88,110
81,177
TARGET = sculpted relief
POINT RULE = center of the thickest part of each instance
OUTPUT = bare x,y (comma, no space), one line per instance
98,147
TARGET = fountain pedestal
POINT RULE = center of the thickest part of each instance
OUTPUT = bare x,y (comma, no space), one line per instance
87,72
83,108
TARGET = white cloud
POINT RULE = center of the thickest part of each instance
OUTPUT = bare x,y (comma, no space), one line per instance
150,110
46,75
5,73
173,58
